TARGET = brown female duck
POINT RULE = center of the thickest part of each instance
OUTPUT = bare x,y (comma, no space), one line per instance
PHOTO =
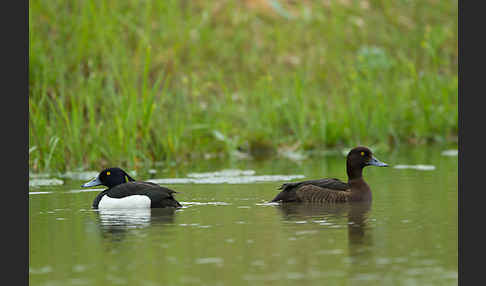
334,190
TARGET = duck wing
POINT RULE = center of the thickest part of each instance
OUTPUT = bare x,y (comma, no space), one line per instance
328,183
316,194
290,192
160,196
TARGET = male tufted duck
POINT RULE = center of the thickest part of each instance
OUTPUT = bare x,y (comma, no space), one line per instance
124,192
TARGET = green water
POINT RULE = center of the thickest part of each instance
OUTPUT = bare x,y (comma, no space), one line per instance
227,235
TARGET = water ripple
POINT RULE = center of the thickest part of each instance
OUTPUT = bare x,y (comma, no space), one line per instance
45,182
416,167
229,176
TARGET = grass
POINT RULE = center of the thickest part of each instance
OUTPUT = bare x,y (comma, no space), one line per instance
130,83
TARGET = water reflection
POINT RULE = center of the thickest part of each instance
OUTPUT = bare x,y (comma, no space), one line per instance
356,213
361,244
358,236
115,224
354,216
304,211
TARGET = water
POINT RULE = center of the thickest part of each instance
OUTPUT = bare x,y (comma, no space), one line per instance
226,233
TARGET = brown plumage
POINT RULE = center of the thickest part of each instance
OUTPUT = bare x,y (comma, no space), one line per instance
315,194
333,190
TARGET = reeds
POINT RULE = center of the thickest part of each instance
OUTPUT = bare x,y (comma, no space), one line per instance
129,83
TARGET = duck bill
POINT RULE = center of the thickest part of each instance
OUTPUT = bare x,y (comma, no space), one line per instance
376,162
95,182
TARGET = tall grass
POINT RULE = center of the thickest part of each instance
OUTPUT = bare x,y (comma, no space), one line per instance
134,82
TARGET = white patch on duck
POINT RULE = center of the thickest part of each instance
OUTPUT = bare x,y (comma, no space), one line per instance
129,202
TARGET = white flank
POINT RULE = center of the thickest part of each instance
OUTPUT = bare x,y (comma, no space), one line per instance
130,202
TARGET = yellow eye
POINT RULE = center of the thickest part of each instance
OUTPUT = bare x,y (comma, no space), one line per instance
362,153
108,173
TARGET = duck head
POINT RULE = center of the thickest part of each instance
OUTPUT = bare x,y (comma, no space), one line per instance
358,158
109,177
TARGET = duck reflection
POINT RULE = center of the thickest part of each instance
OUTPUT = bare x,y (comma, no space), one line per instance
361,244
302,211
360,240
115,224
359,236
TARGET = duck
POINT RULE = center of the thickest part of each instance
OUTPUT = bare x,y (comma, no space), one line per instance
333,190
125,193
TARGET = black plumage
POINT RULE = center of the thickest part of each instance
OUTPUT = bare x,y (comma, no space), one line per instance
121,185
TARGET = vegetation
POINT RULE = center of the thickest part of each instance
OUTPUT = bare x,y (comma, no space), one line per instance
136,82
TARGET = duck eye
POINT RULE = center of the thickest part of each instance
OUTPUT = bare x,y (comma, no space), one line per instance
108,173
362,153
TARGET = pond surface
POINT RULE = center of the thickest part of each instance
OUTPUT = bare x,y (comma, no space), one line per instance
226,233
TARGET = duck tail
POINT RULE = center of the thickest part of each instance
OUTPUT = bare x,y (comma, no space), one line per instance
288,186
287,195
280,196
173,203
